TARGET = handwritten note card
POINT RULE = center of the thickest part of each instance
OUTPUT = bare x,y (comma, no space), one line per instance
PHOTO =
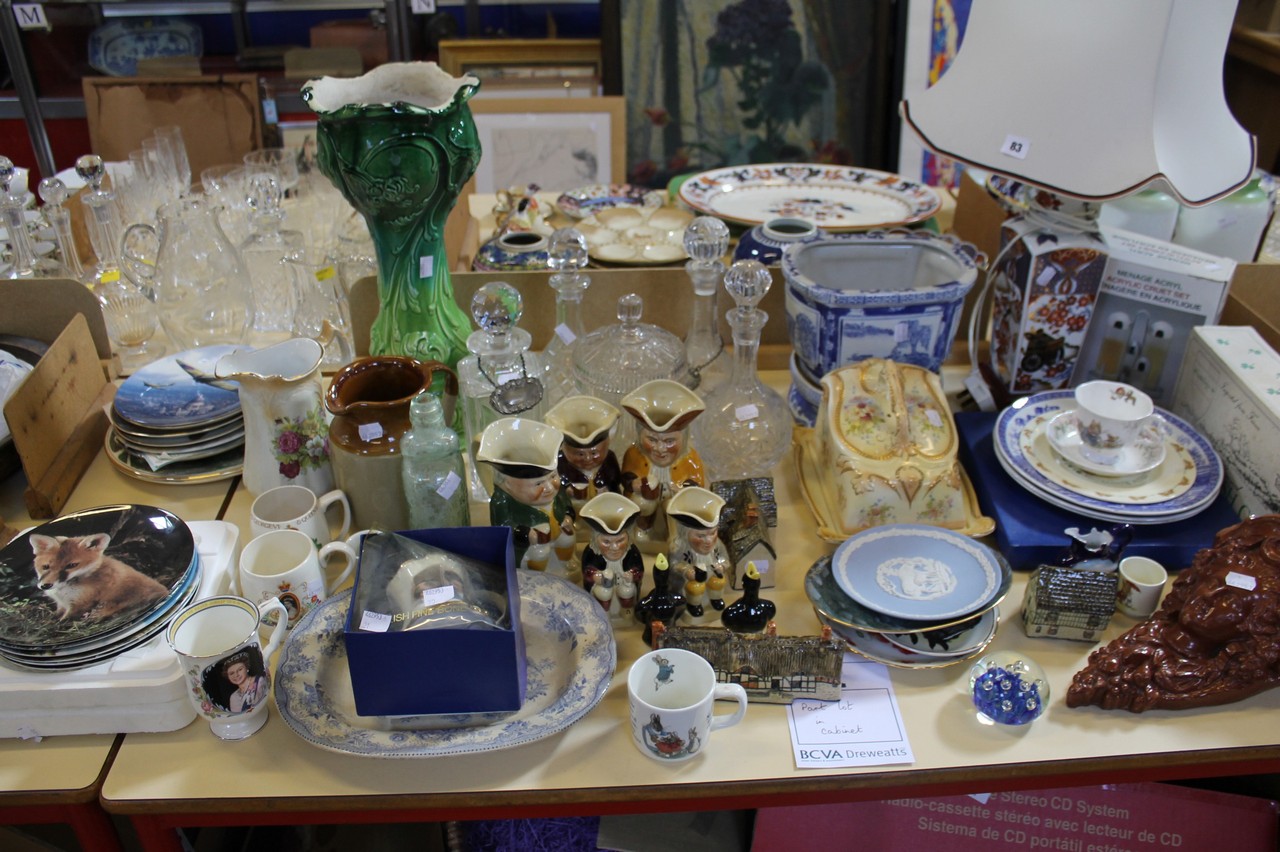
863,728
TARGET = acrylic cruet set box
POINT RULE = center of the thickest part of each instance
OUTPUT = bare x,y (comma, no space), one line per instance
465,669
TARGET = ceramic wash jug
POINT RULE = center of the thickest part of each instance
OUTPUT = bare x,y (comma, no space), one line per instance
370,399
285,433
197,276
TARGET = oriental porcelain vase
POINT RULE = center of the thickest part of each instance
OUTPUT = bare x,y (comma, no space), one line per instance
399,143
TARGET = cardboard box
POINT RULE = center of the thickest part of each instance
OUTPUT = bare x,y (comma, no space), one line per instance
1259,15
405,673
1229,389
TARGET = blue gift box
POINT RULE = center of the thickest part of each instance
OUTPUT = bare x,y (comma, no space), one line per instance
447,670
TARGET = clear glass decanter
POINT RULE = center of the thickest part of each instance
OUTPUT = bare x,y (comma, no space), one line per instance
21,261
271,291
746,428
567,255
705,241
433,472
130,314
53,193
501,377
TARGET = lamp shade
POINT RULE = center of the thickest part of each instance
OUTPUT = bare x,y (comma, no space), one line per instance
1092,98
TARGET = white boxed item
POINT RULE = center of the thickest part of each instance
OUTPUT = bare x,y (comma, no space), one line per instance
139,691
1229,389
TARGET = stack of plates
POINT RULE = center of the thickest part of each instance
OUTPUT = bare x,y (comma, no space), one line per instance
120,573
911,595
174,421
1169,478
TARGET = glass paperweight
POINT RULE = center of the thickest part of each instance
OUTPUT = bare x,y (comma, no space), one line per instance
1008,689
705,241
53,193
501,377
614,360
746,428
567,256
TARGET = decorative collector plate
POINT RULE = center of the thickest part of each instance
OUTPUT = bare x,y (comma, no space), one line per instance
917,572
830,602
569,647
1185,483
224,465
179,392
835,198
877,648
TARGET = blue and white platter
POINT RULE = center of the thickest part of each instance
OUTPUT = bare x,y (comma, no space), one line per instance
917,572
1185,483
571,656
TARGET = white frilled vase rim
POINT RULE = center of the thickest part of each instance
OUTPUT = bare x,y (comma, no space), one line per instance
422,84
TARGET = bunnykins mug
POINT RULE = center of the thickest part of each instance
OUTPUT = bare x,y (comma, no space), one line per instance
296,507
671,693
285,564
223,660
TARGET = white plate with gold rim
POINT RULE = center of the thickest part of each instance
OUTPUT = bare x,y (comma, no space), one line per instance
636,236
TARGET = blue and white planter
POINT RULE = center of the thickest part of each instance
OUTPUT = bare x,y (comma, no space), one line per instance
885,294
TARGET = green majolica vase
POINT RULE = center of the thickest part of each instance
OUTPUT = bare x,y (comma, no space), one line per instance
399,143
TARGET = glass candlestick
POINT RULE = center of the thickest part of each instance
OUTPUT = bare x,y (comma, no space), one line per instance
501,377
705,241
567,255
53,192
746,428
129,312
22,260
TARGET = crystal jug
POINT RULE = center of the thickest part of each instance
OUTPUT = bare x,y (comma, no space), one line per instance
197,275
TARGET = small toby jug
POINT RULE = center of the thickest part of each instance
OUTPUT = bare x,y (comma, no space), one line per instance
285,432
197,276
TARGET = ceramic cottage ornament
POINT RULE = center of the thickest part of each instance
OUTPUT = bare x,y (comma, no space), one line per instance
660,462
586,465
612,567
697,555
399,143
526,492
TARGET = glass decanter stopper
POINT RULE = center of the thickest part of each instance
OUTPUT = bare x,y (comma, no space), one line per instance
272,294
129,312
22,260
567,255
705,241
501,377
432,468
53,192
746,428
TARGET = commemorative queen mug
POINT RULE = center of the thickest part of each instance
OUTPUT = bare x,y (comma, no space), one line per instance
224,663
672,692
296,507
286,564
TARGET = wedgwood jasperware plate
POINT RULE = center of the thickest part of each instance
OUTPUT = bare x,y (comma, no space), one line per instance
569,647
835,198
1097,496
918,572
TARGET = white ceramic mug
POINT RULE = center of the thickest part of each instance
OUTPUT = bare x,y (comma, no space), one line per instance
671,693
296,507
285,564
1110,416
1141,582
223,660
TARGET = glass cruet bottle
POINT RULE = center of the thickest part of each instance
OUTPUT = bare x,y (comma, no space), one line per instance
705,241
746,428
130,314
567,255
53,192
271,292
432,468
22,261
501,377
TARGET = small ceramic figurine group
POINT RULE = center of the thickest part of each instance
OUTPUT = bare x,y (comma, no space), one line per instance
558,481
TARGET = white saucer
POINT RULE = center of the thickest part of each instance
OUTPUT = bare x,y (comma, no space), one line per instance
1145,454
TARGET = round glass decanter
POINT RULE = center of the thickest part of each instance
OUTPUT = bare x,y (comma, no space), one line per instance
705,240
130,314
272,294
567,256
501,377
614,360
746,428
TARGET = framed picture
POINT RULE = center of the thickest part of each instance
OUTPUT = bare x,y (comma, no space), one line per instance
557,143
506,57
